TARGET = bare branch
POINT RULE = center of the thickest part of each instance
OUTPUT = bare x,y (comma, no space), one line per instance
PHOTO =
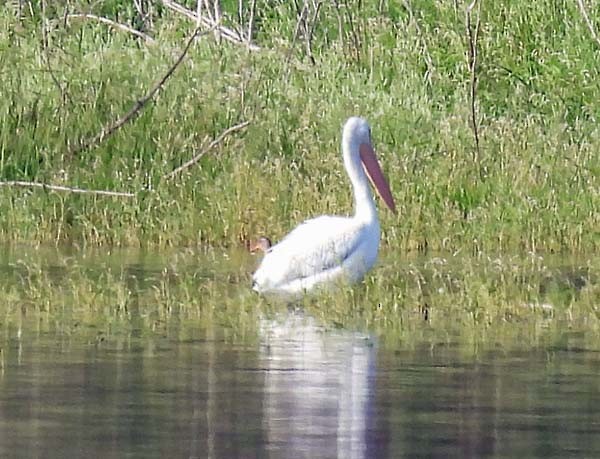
306,26
139,104
299,25
311,30
45,186
226,33
206,149
588,22
473,38
114,24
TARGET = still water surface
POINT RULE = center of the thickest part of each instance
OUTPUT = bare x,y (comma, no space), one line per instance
301,390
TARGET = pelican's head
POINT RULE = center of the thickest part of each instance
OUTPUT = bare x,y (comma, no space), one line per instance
357,130
358,148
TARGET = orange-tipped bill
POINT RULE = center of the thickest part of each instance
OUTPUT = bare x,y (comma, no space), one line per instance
367,156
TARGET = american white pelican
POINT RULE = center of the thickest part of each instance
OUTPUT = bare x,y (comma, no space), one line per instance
326,250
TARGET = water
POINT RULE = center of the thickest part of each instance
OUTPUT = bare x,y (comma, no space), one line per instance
297,389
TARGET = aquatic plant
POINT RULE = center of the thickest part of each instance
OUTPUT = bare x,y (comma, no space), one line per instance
502,302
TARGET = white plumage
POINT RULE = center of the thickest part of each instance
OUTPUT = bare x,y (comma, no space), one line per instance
327,250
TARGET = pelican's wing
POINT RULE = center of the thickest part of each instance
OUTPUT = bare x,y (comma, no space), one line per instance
316,245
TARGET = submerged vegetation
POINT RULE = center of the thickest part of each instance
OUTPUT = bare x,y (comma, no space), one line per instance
527,75
479,303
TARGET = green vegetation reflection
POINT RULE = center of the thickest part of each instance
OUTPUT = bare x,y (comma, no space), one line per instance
479,303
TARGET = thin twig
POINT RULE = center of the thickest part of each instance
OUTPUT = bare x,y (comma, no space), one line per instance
139,104
114,24
226,33
44,31
251,21
297,30
45,186
64,95
340,25
217,20
527,83
311,30
473,38
206,149
140,7
588,22
199,6
46,57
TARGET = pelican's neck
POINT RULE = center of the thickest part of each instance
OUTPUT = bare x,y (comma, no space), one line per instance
364,206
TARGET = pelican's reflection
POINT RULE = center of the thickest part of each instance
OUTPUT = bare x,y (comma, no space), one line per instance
318,388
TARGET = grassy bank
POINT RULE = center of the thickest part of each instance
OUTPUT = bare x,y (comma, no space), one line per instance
533,184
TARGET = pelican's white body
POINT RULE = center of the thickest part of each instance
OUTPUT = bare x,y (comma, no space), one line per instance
320,252
327,250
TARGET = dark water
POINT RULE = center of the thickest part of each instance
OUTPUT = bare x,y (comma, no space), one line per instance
300,391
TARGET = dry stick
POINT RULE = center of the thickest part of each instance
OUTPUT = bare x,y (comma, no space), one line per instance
217,19
217,10
139,104
65,188
239,28
297,30
311,31
205,150
44,32
251,21
114,24
226,33
199,6
473,71
588,22
139,6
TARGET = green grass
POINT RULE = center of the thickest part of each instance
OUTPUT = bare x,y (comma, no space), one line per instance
535,187
478,303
